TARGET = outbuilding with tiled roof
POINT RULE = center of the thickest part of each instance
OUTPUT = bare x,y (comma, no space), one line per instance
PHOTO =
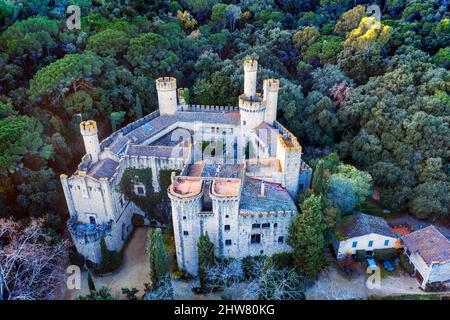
363,232
429,252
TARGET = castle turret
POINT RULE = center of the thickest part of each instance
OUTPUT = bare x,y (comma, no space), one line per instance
186,195
271,87
250,70
289,152
252,111
167,95
89,132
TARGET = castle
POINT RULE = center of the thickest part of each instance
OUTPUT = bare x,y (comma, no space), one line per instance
239,173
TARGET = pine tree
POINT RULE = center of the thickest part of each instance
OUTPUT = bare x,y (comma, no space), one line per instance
205,257
157,256
91,283
138,107
111,260
306,238
106,254
318,178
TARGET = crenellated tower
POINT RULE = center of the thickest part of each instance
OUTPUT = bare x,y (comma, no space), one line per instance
289,152
89,132
186,197
167,95
250,72
252,111
270,96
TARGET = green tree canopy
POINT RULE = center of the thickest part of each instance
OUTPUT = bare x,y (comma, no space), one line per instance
59,75
205,257
157,256
108,42
20,136
306,237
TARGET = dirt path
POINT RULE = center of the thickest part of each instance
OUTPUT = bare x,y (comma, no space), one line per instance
132,273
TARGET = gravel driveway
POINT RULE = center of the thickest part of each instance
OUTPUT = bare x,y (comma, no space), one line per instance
334,285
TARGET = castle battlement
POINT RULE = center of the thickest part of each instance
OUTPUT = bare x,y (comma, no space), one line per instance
250,65
288,141
271,85
166,84
206,108
88,127
128,128
252,104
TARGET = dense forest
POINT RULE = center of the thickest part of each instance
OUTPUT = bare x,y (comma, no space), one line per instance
376,92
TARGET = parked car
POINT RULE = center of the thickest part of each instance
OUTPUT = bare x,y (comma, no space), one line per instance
388,265
371,263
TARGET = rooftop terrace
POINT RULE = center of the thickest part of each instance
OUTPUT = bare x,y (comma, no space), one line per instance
226,187
184,187
263,168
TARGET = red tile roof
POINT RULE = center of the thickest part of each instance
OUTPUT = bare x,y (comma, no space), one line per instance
430,244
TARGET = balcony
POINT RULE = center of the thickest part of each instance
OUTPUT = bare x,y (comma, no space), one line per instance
87,232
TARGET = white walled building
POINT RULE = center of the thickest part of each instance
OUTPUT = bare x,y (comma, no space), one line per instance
429,252
361,231
245,205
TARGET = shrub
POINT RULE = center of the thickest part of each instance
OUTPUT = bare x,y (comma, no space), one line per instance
381,254
130,293
104,293
178,274
91,284
205,258
248,265
137,220
283,260
76,258
435,287
404,262
360,255
111,260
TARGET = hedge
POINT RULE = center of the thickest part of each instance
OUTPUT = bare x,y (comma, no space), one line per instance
360,255
381,254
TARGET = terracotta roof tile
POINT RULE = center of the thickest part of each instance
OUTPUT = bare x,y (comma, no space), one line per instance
430,244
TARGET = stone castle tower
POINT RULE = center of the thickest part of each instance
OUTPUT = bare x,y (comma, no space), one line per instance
167,95
89,132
